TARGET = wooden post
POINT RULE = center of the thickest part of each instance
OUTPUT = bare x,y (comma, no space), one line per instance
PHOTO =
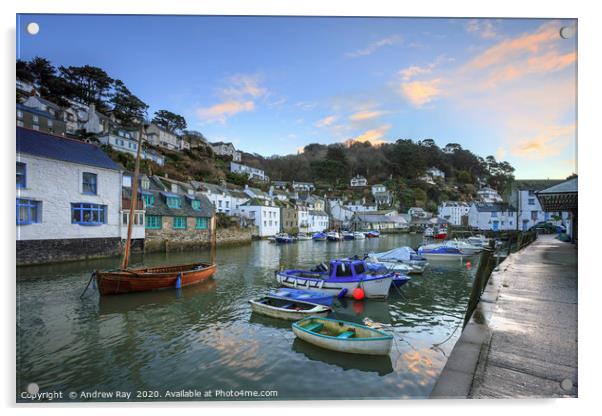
480,280
133,201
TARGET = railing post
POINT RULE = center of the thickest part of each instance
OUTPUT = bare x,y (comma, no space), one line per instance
480,280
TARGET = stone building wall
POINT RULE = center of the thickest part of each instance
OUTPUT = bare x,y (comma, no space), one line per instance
58,250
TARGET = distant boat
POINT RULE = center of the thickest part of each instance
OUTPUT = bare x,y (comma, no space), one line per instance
441,234
342,336
429,232
304,295
358,235
404,255
303,236
348,235
333,236
341,277
372,234
319,237
465,247
289,309
284,238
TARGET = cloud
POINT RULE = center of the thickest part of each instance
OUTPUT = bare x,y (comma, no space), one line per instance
547,63
548,142
420,93
326,121
222,111
366,115
374,46
413,71
483,28
373,137
500,153
238,95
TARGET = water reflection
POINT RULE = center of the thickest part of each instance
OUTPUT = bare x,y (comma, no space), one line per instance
205,336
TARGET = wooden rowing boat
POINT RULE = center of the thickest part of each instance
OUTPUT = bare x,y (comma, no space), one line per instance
113,282
288,309
343,336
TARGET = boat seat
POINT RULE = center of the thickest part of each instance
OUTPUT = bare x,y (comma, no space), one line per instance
314,327
346,334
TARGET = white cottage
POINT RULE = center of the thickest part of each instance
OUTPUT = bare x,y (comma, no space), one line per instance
68,199
492,216
265,214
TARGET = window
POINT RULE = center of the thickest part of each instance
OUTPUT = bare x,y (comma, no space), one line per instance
196,204
179,223
531,193
359,268
19,114
343,270
21,175
27,211
174,202
88,214
534,215
149,200
20,123
145,183
50,124
493,214
202,223
153,222
36,119
89,183
219,204
531,201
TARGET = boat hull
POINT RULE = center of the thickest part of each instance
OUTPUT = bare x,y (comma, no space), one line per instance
155,278
399,281
379,345
287,314
435,256
373,289
304,295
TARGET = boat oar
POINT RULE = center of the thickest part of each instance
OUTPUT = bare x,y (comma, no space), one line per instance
92,276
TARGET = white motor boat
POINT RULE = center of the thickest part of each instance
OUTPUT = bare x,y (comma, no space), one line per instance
333,236
429,232
358,236
464,247
303,236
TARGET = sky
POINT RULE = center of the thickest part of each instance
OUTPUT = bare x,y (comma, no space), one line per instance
271,85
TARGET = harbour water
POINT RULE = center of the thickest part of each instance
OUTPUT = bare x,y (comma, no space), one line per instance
204,337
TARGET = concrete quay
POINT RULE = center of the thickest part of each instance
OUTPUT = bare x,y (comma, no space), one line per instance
521,341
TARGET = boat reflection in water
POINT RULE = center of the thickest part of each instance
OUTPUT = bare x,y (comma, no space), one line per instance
157,299
380,364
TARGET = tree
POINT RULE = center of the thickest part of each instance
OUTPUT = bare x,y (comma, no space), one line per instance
126,106
172,122
41,71
23,71
89,84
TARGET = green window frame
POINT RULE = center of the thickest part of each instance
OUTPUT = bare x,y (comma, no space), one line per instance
196,204
153,222
202,223
179,223
174,202
149,200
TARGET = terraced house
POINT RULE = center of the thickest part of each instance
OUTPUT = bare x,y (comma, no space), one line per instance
176,217
68,199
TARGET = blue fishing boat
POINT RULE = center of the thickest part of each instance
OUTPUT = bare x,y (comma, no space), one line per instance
304,295
333,236
341,277
319,237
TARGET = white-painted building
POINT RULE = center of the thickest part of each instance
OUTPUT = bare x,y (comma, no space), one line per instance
237,198
417,212
489,195
126,141
218,195
66,189
303,218
318,221
303,186
492,216
253,173
358,180
381,195
256,193
265,215
340,213
226,149
158,136
530,212
455,212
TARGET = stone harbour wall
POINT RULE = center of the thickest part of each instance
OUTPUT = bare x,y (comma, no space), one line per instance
58,250
166,240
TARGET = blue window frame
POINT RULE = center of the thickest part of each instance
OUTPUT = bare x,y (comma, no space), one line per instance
149,200
196,204
153,222
88,214
21,175
28,211
89,183
179,223
202,223
174,202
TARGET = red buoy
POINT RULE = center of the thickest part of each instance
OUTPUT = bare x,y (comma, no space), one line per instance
358,293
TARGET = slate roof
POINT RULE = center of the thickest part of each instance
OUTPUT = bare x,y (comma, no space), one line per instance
61,148
160,207
569,186
318,213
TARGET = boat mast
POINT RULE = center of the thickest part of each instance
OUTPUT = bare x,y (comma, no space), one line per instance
133,201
